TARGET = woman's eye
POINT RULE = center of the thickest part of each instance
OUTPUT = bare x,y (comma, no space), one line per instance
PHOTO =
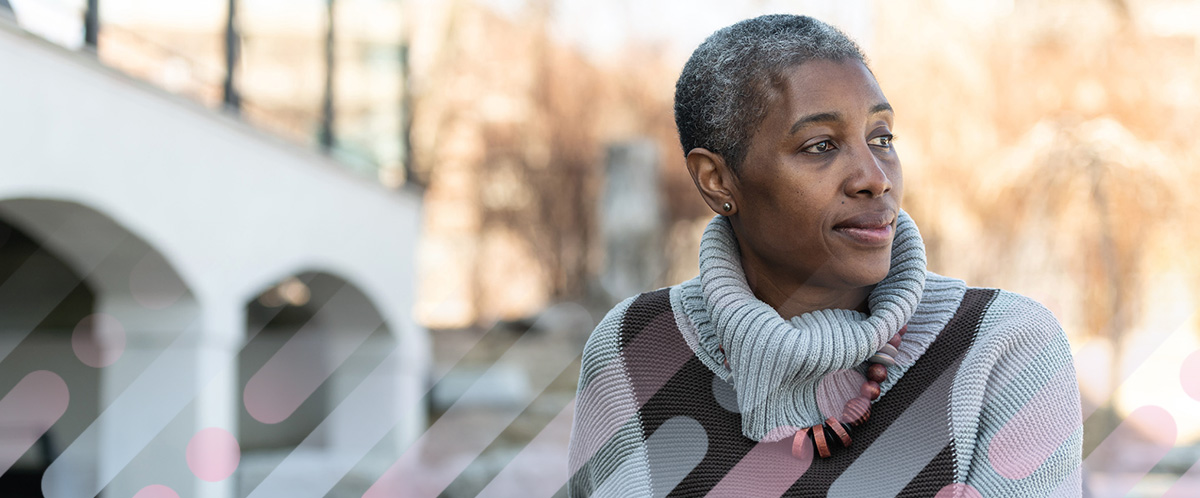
882,141
819,147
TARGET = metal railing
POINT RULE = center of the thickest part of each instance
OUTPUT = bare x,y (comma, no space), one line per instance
204,80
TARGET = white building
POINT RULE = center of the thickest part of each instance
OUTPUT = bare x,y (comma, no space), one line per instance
183,278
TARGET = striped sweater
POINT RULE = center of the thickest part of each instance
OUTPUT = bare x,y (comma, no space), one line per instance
698,389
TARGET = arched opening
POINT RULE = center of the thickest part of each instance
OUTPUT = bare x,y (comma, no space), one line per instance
45,304
85,301
313,338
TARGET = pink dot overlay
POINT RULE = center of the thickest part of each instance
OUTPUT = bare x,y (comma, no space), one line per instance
98,340
1189,375
213,454
1137,444
28,411
958,490
1021,446
156,491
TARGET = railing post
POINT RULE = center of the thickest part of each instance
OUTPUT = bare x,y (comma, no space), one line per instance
326,134
91,25
232,100
406,115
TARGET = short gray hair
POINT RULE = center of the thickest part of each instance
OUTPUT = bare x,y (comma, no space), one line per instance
722,94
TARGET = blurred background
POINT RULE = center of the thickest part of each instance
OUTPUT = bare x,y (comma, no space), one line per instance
353,247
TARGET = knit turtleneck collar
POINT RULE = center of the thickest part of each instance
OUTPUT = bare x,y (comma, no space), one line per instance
776,364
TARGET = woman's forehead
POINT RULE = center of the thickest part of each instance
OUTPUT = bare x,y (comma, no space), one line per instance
824,90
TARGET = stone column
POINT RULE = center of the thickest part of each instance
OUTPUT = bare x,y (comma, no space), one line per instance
631,221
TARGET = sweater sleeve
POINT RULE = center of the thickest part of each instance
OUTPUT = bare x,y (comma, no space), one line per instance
607,455
1017,405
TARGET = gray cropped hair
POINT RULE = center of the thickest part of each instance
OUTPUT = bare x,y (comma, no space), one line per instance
722,94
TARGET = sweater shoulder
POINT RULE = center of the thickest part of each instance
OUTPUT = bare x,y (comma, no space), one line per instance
1019,321
607,454
605,342
1013,303
603,345
1017,379
1015,334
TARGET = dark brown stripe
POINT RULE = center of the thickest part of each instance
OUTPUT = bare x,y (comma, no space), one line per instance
945,353
644,310
647,311
689,392
935,476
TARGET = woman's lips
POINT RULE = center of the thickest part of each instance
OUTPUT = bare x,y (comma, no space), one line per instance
870,229
874,237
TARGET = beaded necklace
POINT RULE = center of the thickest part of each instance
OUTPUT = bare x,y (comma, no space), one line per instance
857,410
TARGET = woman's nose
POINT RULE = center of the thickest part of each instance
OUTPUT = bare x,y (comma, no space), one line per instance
868,173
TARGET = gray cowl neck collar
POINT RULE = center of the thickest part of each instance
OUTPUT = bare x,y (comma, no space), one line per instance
776,364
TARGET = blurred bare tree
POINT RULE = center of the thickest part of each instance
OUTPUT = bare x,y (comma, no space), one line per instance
1048,146
510,126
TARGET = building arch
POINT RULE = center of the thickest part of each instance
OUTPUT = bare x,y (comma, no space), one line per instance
87,300
315,337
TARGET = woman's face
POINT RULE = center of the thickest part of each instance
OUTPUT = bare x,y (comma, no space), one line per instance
818,193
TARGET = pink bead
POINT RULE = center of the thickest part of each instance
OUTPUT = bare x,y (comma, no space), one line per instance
869,390
895,341
856,411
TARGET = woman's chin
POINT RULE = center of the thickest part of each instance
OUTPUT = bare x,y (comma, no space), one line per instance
868,276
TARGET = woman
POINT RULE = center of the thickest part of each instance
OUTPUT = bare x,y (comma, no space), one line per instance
814,354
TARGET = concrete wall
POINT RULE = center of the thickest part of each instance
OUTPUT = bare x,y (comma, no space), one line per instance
178,216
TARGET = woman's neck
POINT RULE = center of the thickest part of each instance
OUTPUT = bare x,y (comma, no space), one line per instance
793,299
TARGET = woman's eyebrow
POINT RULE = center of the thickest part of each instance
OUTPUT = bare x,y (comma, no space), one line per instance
821,117
826,117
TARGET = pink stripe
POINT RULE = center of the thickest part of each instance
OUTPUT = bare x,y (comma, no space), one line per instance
769,469
537,471
651,358
28,411
294,372
1093,359
1142,439
656,364
1036,431
958,490
287,379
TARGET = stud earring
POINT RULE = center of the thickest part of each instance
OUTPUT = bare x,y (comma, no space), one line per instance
728,207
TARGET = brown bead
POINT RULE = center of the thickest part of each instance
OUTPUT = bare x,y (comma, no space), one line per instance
819,441
856,411
798,446
895,341
840,430
903,330
869,390
877,372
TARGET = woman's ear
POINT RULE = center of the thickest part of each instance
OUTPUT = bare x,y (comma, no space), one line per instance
715,180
